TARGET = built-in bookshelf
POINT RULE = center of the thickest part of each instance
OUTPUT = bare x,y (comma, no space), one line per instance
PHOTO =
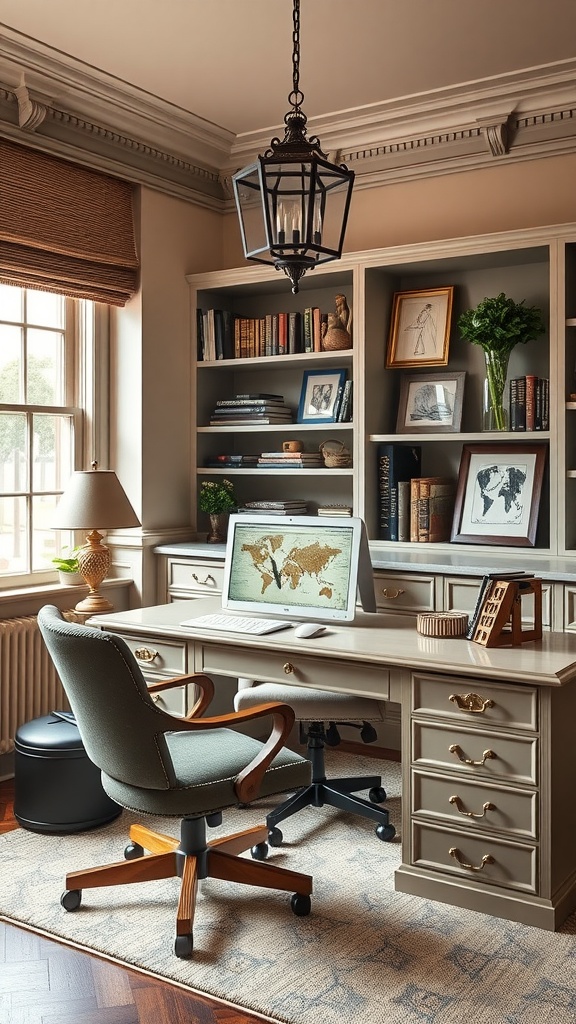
537,265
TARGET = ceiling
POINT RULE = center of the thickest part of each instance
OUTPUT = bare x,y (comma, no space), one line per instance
230,62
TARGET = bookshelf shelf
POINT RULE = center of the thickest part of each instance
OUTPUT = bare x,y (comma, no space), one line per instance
535,265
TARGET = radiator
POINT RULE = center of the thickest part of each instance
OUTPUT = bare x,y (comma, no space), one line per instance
29,684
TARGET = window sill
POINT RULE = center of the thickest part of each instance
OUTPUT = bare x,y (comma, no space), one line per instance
28,600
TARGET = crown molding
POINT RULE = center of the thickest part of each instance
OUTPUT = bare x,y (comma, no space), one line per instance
56,103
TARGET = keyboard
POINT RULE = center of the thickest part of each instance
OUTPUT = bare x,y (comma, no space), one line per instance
237,624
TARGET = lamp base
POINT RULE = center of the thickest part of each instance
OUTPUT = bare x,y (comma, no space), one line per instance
93,604
94,565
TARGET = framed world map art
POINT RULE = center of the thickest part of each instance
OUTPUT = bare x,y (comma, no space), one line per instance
498,494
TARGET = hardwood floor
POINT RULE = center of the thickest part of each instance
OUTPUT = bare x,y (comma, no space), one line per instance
46,982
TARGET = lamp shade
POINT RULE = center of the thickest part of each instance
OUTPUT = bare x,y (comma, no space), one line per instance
94,499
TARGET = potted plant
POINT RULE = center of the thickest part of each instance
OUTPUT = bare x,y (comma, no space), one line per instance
216,497
498,324
68,570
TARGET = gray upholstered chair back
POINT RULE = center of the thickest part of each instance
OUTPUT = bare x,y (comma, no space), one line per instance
120,726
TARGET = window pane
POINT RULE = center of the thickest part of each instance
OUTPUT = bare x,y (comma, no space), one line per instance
53,451
45,542
13,535
44,367
13,449
11,383
44,309
11,303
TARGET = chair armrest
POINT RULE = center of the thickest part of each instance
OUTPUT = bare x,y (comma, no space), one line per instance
247,785
204,683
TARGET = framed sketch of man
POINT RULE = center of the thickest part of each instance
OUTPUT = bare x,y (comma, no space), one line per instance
420,328
498,494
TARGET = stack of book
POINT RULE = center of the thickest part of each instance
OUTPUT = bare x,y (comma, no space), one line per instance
258,408
232,461
334,510
431,509
529,403
297,507
290,460
397,464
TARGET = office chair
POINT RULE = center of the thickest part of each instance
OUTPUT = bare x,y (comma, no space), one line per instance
322,710
191,768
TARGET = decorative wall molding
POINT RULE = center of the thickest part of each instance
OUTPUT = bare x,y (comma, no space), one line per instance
56,103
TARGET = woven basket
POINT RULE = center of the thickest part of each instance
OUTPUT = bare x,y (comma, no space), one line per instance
335,455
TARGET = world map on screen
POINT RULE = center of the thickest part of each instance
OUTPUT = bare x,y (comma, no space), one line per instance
280,567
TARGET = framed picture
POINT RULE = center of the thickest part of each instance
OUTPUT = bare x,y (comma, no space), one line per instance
498,494
430,403
420,330
319,396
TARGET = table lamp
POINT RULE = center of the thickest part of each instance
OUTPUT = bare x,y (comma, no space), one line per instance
94,496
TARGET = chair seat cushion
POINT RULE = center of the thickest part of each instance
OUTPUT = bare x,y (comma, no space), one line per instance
206,765
311,705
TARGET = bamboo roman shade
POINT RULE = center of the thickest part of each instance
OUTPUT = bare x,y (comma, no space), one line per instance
65,228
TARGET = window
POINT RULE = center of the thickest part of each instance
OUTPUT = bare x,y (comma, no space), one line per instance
46,349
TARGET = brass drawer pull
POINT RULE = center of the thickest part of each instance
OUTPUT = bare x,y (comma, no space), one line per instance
391,594
288,668
471,814
455,749
486,859
208,579
471,702
146,654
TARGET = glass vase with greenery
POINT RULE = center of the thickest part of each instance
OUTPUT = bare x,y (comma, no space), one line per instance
497,325
216,497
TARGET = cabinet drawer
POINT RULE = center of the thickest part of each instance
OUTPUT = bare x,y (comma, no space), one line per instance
514,760
395,593
204,578
321,673
175,701
511,706
512,865
570,609
158,657
463,802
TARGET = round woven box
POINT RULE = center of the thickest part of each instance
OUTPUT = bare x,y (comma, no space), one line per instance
445,624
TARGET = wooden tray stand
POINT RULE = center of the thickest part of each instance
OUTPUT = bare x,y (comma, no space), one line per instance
500,621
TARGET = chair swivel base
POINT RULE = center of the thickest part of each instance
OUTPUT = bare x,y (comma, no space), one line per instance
192,858
337,793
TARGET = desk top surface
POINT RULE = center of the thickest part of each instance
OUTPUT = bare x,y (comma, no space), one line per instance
378,639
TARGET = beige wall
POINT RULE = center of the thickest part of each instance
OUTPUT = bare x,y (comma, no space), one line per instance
499,197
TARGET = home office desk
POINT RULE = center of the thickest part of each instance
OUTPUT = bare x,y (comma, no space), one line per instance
488,746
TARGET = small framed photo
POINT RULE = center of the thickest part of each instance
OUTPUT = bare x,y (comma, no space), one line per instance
498,494
320,395
420,329
430,403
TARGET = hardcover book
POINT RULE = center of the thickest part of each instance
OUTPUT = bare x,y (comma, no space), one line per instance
434,498
395,462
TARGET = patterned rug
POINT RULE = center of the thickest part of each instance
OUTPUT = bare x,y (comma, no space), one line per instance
365,954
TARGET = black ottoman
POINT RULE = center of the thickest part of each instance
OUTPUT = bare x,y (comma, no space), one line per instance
56,787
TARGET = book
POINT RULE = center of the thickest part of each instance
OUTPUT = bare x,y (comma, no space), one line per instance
531,385
225,403
485,583
396,462
345,407
301,510
269,505
254,418
435,511
261,395
295,343
307,330
292,456
518,403
242,409
403,510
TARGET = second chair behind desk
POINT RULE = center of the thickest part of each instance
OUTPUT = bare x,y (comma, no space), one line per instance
321,710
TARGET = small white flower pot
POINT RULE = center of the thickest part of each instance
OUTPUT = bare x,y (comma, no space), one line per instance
70,579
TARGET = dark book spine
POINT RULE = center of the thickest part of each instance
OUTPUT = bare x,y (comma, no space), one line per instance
395,462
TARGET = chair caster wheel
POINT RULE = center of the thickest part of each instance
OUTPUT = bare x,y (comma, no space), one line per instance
184,946
71,899
300,904
259,852
385,832
275,837
377,795
133,850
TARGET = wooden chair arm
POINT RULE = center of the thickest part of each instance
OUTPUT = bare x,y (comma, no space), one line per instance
204,683
247,785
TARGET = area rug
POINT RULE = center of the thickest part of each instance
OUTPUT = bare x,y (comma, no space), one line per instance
365,954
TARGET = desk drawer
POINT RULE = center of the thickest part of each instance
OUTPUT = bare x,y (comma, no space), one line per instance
277,667
396,593
200,578
511,811
158,657
512,706
512,865
514,760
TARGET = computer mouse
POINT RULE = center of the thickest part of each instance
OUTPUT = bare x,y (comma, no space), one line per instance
308,630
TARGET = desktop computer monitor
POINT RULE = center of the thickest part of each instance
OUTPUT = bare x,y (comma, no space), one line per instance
302,567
